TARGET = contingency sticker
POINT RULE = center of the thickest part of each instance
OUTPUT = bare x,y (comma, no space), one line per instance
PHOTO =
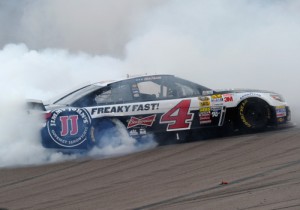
280,111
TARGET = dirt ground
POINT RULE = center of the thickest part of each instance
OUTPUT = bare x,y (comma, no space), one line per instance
256,171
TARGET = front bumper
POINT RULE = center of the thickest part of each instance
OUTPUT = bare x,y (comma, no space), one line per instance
282,114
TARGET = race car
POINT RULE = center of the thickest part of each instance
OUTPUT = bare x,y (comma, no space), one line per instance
160,105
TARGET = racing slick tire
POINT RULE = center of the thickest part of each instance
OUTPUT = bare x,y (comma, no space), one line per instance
253,115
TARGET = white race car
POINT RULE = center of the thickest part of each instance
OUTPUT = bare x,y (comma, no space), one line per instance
163,105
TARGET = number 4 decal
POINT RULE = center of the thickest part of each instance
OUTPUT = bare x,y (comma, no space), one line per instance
179,117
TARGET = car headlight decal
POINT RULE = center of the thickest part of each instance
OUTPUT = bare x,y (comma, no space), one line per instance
277,97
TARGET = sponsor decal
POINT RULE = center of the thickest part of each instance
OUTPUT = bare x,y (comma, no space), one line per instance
124,108
135,91
205,103
205,109
141,79
69,127
227,98
205,120
216,111
218,104
204,98
133,132
152,78
143,131
216,98
247,95
280,111
215,114
136,132
212,111
205,116
280,120
146,121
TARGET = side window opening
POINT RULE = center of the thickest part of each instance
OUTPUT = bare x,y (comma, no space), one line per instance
185,91
118,93
121,93
104,98
148,90
156,89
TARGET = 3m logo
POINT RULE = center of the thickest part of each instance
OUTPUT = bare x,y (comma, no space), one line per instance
228,98
147,121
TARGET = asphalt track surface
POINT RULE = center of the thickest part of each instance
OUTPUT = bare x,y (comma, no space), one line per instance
258,171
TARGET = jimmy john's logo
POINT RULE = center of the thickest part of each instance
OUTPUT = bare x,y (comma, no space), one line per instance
69,127
146,121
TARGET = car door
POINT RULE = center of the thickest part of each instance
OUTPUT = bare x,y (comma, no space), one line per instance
163,105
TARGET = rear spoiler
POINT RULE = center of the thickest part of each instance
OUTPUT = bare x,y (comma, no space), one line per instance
35,105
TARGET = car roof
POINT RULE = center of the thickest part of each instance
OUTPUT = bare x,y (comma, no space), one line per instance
129,77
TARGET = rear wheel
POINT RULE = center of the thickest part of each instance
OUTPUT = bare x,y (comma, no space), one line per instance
101,132
253,115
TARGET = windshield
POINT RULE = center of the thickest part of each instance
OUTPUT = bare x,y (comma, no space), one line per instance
191,89
75,95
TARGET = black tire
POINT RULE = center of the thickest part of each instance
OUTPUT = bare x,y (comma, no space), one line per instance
253,115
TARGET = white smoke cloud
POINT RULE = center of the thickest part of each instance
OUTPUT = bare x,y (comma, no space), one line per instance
95,26
220,44
117,141
41,75
223,44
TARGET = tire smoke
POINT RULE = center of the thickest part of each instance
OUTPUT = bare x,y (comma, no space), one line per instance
42,75
219,44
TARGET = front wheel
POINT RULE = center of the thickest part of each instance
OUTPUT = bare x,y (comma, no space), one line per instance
253,115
